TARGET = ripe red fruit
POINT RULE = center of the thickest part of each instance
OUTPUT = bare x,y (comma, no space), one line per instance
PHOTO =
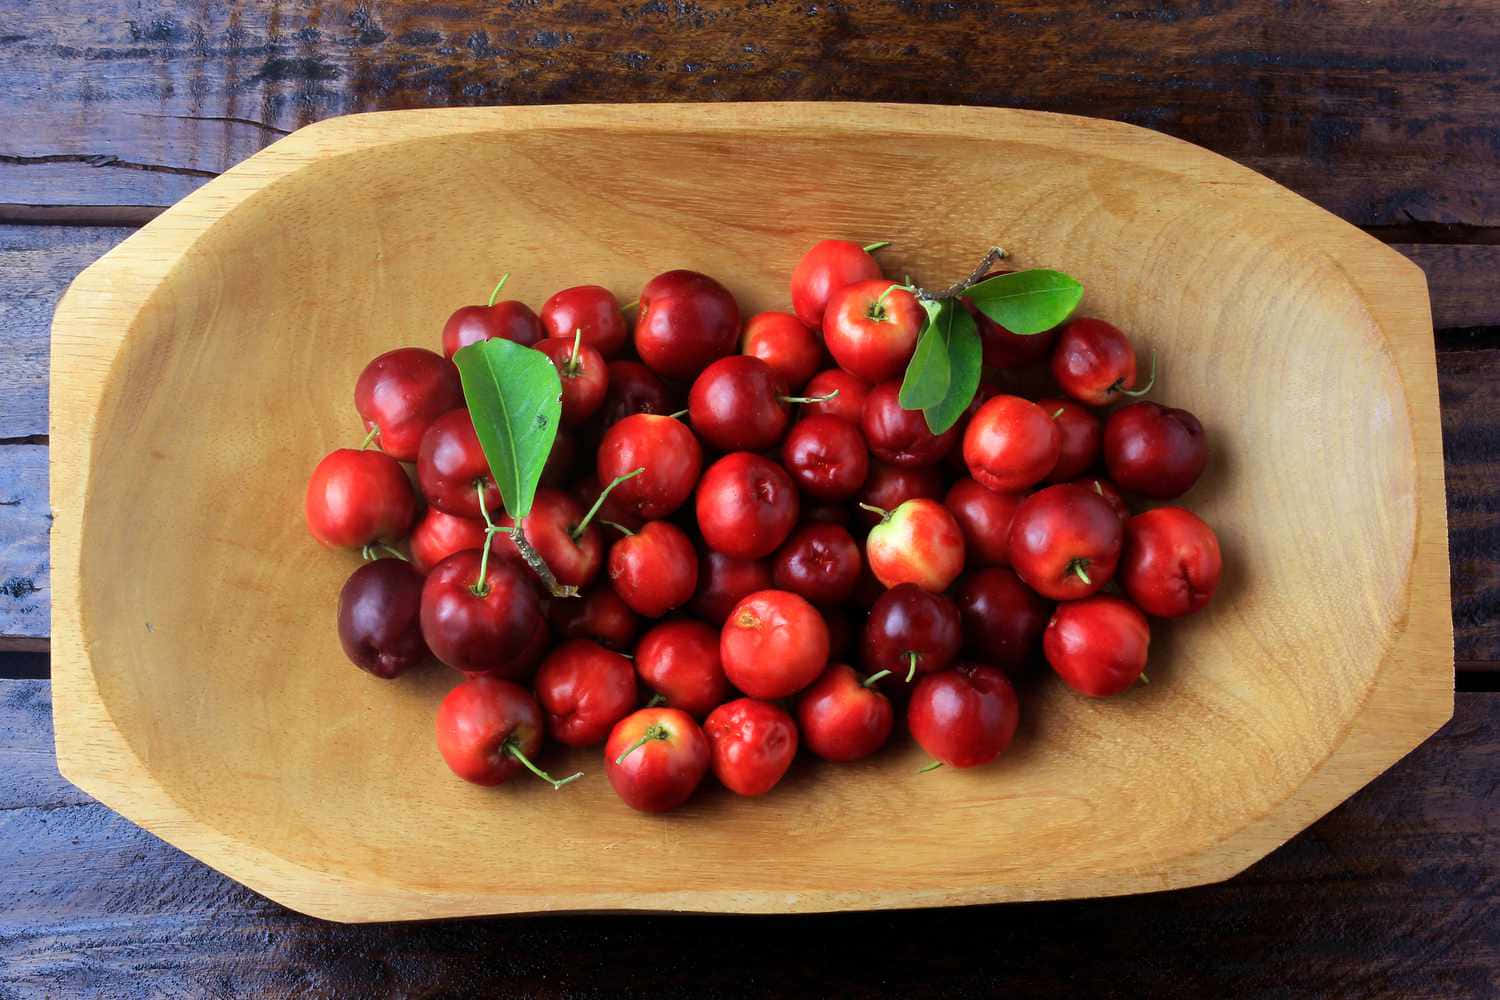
402,392
1109,491
782,341
1003,619
843,718
679,660
746,505
1003,349
508,320
588,309
773,645
380,618
662,446
752,744
489,729
655,569
1153,450
600,615
558,470
910,631
739,403
1080,430
889,486
723,581
824,270
848,404
919,542
899,436
585,689
438,535
1065,542
1093,362
1171,562
583,374
872,334
450,463
820,562
497,629
358,497
1011,444
1097,645
826,456
549,528
655,758
686,320
984,517
633,388
964,717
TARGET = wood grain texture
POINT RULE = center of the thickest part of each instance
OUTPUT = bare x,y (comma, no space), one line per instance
1463,280
231,302
1382,113
1396,893
1471,451
25,566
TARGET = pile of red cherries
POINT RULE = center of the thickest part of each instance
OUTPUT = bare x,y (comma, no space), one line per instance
784,556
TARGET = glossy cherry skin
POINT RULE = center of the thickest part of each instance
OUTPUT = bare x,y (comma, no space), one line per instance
1065,542
686,320
592,310
824,270
919,542
841,718
584,689
379,618
549,529
1098,645
1080,431
984,517
723,581
402,392
500,632
1011,444
357,497
889,486
747,506
738,404
476,723
633,388
870,338
584,377
450,462
826,456
848,404
664,771
753,743
1171,563
907,621
1153,450
773,644
1093,361
438,535
1004,349
820,562
1002,618
964,717
665,448
655,569
782,341
1109,491
601,615
679,660
508,320
898,436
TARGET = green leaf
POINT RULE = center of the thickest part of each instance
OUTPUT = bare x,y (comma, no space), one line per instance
1027,302
965,360
927,373
515,400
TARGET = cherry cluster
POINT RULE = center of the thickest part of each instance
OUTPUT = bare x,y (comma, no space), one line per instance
790,521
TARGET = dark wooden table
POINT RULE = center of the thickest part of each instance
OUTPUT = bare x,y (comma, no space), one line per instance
1386,114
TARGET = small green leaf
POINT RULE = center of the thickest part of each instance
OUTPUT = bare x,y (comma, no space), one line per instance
965,360
1027,302
515,400
927,373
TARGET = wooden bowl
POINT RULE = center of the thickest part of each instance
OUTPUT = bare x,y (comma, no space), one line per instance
202,368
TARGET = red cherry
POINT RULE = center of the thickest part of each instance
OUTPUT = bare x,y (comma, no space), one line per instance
919,542
1079,432
1109,491
1065,542
826,456
820,562
450,463
781,340
964,717
662,446
1171,562
585,689
655,758
1153,450
871,329
402,392
724,580
1011,444
508,320
583,374
633,388
489,729
752,743
558,471
1097,645
379,618
899,436
438,535
679,660
355,498
910,631
984,517
1094,363
842,395
586,491
550,527
773,645
842,718
888,487
746,506
655,569
1002,618
600,615
590,310
824,270
686,320
1003,349
739,403
496,628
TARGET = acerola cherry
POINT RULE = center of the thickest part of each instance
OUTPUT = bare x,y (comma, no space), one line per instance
1080,430
686,320
586,490
1002,618
585,689
824,270
826,456
984,517
1109,491
438,535
401,393
889,486
583,374
919,542
1011,444
450,462
1004,349
1065,542
1097,645
355,498
910,631
773,645
752,744
508,320
899,436
1171,562
633,388
655,569
819,562
964,717
572,550
746,505
724,580
782,341
679,660
739,403
488,729
600,615
380,624
662,446
655,758
590,310
1094,363
557,471
1153,450
842,717
871,329
483,625
839,393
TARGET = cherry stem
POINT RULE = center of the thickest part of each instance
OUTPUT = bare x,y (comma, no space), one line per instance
1150,381
930,767
912,673
873,679
572,364
811,399
513,748
538,564
1099,489
1144,678
370,437
880,302
578,530
885,515
373,550
630,305
618,527
872,247
1076,567
995,255
678,415
655,731
482,585
1058,412
498,285
657,700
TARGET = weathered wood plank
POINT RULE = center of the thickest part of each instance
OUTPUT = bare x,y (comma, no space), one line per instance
1382,113
1469,386
25,564
1395,893
1463,282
